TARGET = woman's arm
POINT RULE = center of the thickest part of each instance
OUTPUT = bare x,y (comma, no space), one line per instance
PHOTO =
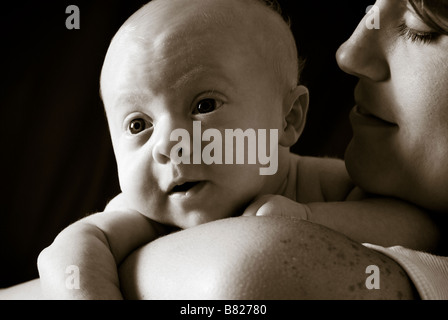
259,258
381,221
340,205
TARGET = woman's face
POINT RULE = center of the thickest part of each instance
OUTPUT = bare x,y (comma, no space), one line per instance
400,122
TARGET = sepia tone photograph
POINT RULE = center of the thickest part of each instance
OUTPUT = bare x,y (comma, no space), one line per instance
225,150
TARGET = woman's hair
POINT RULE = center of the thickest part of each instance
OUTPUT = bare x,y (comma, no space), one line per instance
433,12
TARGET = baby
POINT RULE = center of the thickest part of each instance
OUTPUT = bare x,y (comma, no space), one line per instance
178,74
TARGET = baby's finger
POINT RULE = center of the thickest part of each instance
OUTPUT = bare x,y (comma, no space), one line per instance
255,206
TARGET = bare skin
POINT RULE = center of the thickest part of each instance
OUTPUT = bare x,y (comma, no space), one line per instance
314,263
307,251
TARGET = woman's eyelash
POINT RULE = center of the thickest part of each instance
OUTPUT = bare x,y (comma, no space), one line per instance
416,36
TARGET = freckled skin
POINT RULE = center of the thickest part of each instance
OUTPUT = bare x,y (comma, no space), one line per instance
227,272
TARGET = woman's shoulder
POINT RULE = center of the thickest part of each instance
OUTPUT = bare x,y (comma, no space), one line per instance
256,258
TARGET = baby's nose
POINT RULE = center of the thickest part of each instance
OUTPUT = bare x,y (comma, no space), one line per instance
172,141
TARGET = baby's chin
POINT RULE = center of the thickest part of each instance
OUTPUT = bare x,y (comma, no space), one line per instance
194,219
191,219
192,213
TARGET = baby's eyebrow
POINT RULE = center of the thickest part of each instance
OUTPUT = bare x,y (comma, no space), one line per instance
188,76
131,99
195,73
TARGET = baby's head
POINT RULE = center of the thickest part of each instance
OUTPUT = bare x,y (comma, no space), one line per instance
202,68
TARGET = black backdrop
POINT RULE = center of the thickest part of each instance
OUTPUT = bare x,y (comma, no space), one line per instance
57,163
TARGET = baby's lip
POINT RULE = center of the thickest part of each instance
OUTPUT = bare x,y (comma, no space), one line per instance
182,186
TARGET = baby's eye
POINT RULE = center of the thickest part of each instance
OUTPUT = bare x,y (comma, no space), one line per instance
207,106
137,125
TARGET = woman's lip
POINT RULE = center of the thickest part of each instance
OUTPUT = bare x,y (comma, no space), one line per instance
361,116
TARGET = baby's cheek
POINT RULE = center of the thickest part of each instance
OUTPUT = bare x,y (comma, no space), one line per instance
144,200
135,185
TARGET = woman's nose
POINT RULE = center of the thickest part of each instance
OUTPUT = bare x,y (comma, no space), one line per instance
168,142
363,54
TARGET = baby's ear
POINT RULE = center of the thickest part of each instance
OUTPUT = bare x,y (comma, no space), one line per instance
296,108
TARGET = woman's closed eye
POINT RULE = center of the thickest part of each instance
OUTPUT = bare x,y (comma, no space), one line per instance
425,37
416,30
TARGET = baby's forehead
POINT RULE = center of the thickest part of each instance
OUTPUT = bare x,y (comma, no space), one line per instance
159,30
159,15
200,16
191,28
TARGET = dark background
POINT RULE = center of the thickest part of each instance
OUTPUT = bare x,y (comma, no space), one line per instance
57,162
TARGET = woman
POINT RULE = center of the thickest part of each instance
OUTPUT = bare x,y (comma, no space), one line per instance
399,148
400,123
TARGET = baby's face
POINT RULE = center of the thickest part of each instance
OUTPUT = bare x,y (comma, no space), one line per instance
168,77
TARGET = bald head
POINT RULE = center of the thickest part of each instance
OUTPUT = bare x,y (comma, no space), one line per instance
252,24
227,64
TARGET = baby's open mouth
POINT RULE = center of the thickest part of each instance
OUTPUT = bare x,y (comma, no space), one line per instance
183,188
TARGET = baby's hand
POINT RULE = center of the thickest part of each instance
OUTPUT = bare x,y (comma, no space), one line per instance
275,205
